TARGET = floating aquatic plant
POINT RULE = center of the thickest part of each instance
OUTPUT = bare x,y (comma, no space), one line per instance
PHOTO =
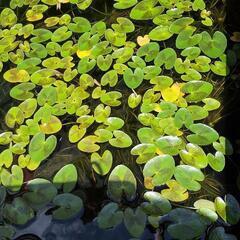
86,77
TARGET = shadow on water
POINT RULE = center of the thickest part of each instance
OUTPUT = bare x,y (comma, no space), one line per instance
229,125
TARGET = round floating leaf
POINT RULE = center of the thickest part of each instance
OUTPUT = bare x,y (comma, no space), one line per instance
145,10
14,180
134,100
15,75
133,79
160,33
194,156
160,169
40,148
218,233
122,182
22,91
114,123
6,158
28,107
80,25
7,17
102,164
14,116
76,133
40,193
124,25
223,146
110,77
69,206
189,177
211,104
149,50
121,140
175,192
124,4
161,82
208,214
197,112
144,151
41,35
220,207
220,68
180,24
109,216
216,162
203,134
183,117
214,46
18,212
61,34
191,52
232,209
169,144
111,98
66,177
104,63
88,144
166,57
135,221
198,5
197,90
156,205
52,125
186,224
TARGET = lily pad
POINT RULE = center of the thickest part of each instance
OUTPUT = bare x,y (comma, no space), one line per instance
102,164
69,205
160,33
122,182
66,178
213,46
189,177
121,140
133,79
160,169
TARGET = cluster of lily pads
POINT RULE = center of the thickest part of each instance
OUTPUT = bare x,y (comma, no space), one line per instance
67,72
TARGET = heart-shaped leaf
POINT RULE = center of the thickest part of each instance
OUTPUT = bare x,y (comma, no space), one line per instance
160,169
102,164
133,79
122,182
189,177
66,178
68,205
121,140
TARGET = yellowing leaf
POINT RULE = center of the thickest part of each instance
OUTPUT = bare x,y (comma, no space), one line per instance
171,94
175,193
148,182
52,126
85,53
143,40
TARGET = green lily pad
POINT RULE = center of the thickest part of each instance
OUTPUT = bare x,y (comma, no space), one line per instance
218,233
214,46
186,224
40,193
104,63
197,112
22,91
121,140
6,158
85,65
189,177
111,98
124,4
144,151
194,156
110,77
180,24
109,216
12,180
220,68
191,52
80,25
66,178
217,161
133,79
146,10
102,164
134,100
68,205
156,204
40,148
223,146
160,33
203,134
122,182
232,209
18,212
166,57
160,169
14,116
197,90
186,38
124,25
28,107
41,35
115,38
198,5
169,144
135,221
61,34
149,51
